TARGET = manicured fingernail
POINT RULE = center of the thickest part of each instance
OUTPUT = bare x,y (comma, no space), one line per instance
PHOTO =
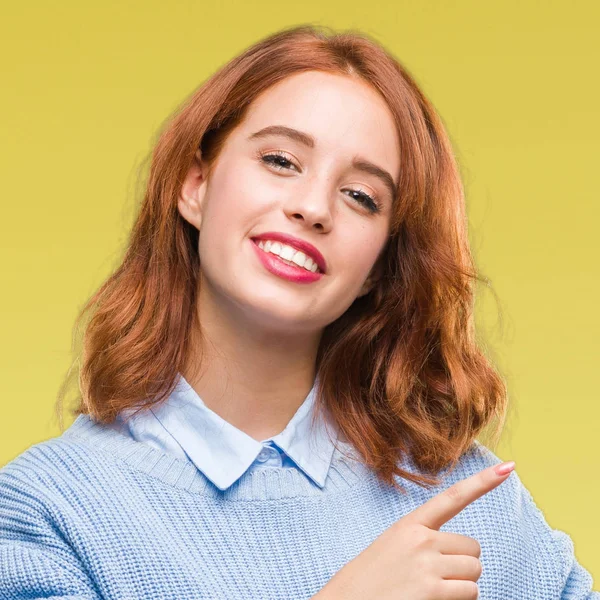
505,467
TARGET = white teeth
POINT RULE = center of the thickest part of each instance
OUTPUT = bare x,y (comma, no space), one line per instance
289,254
308,263
299,258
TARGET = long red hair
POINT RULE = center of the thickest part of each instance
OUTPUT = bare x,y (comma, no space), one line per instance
400,372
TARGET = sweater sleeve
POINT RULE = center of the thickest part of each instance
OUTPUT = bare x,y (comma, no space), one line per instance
574,581
35,559
543,558
28,572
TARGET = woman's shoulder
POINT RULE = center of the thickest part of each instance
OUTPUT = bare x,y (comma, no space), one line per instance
83,447
49,467
511,527
506,516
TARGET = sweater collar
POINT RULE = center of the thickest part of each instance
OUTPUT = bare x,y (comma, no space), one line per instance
187,427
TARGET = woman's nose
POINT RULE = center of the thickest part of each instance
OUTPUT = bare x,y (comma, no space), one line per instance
313,210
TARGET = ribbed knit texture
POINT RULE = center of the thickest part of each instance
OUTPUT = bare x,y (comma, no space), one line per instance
94,514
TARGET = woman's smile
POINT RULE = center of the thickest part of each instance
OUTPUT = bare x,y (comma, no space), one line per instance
284,268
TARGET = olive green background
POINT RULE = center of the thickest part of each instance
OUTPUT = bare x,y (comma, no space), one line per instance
87,86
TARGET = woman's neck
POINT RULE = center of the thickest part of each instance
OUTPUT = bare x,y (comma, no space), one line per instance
253,378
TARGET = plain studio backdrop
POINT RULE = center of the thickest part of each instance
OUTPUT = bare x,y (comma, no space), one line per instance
87,86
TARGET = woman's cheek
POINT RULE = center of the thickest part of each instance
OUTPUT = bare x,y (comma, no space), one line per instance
248,191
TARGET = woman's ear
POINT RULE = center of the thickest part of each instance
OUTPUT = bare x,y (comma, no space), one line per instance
372,279
370,282
366,288
193,190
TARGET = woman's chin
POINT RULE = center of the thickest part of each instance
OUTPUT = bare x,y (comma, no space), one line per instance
275,319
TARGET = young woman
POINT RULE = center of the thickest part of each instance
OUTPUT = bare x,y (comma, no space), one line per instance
280,386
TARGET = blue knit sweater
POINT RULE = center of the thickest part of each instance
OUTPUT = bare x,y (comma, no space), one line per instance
95,514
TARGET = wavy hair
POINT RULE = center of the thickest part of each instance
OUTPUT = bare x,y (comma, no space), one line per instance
400,372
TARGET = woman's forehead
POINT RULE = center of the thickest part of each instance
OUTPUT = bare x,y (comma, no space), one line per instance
335,111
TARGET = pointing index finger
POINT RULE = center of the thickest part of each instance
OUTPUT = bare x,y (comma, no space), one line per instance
447,504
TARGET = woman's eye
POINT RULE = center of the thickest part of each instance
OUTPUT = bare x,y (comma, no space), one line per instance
367,201
278,161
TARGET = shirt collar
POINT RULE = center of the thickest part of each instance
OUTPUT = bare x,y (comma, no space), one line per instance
223,452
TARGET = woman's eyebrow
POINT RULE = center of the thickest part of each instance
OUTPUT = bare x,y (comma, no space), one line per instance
294,134
359,163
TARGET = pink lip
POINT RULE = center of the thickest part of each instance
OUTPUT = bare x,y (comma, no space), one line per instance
276,266
297,243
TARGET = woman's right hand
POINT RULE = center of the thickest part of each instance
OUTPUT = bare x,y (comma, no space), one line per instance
413,560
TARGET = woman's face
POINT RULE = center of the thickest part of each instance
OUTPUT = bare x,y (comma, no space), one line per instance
325,182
